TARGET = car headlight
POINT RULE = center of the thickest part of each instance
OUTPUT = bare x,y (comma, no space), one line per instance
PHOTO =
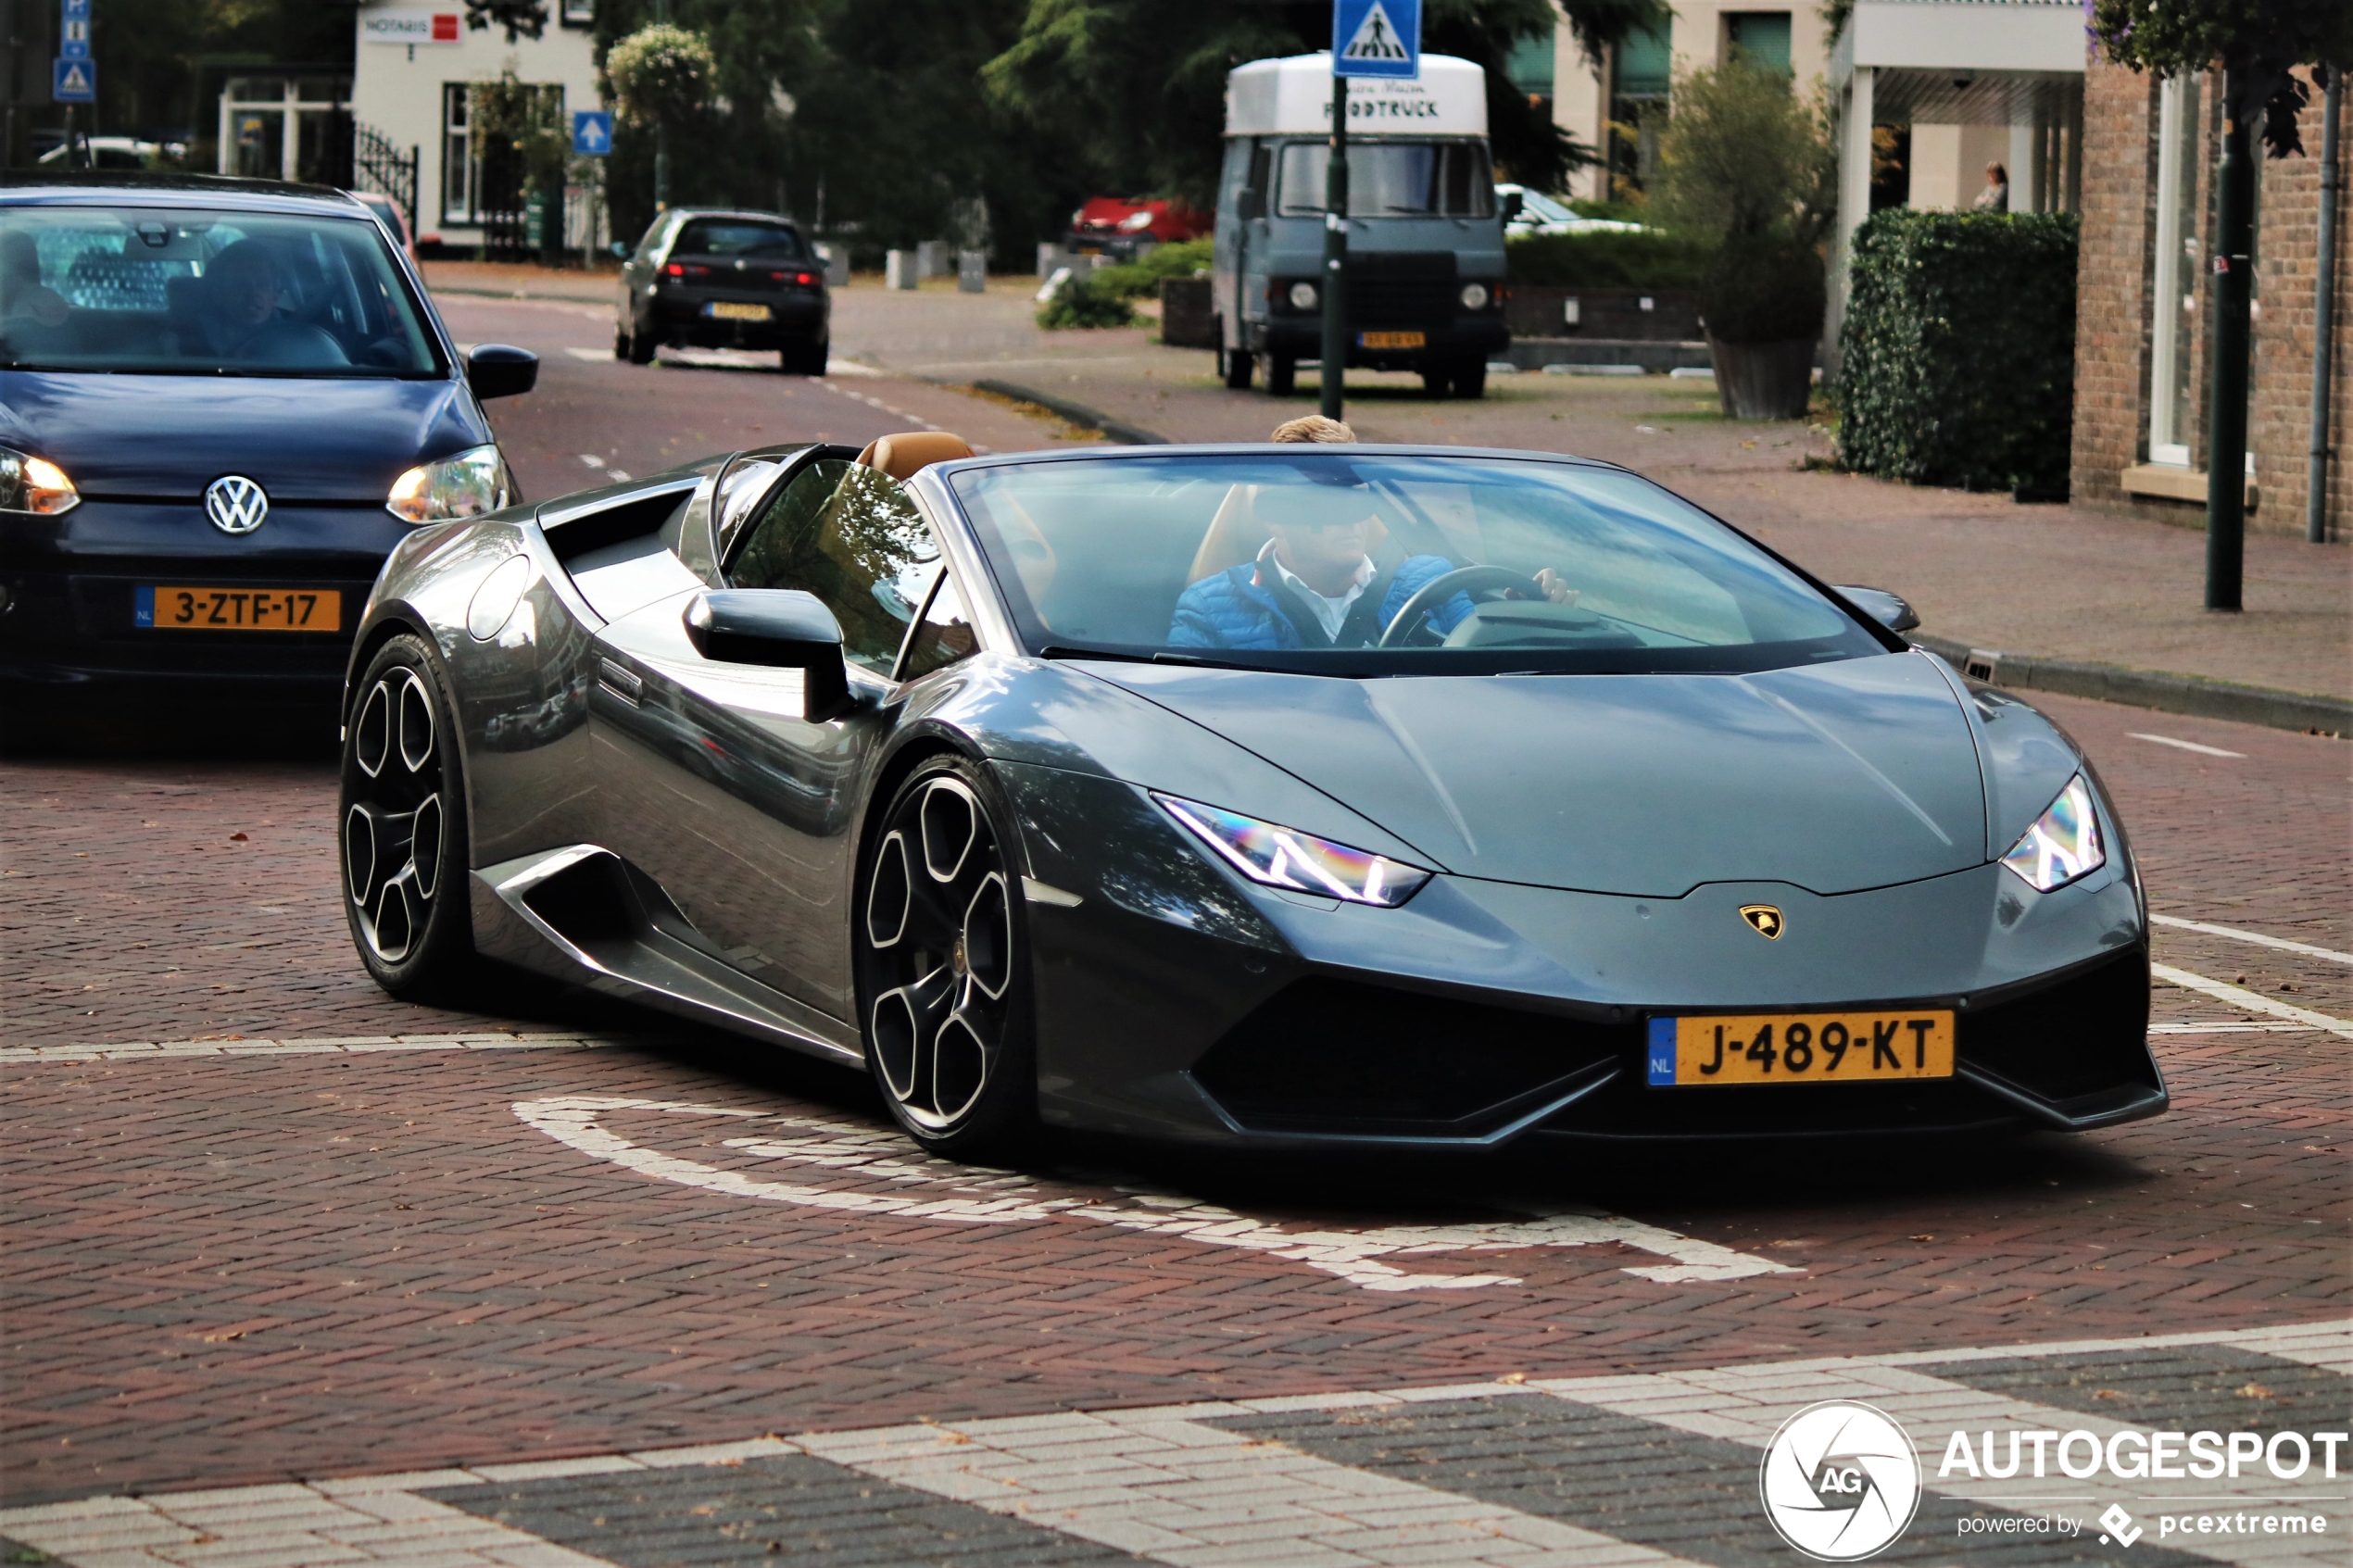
34,485
1303,296
469,485
1298,862
1473,296
1134,221
2064,844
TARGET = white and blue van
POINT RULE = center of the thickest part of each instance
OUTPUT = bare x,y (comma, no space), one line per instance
1425,234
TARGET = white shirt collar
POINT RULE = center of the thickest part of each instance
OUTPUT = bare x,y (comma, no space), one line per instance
1328,612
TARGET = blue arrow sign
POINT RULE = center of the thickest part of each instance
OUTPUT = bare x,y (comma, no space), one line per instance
591,132
1376,38
75,82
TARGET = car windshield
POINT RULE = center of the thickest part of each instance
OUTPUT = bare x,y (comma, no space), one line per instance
712,237
1391,180
1355,563
172,292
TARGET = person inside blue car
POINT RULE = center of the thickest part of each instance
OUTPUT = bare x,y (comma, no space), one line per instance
1316,584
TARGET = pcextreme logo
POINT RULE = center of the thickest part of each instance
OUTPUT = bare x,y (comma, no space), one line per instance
1840,1481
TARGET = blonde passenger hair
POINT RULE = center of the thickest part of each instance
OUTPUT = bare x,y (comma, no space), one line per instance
1313,427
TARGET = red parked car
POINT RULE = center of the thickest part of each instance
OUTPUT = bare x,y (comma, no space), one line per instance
1118,226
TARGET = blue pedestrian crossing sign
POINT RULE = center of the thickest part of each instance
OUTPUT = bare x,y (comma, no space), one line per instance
591,132
76,81
1376,38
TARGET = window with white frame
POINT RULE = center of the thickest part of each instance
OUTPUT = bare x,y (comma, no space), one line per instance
578,13
2175,296
458,169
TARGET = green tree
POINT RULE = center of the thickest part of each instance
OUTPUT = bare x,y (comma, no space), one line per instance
1743,155
522,18
1135,89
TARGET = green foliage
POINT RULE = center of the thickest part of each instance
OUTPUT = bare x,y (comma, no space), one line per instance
522,18
1653,259
1612,211
1764,289
1138,280
1958,352
1137,87
527,118
1081,302
2256,41
662,74
1743,155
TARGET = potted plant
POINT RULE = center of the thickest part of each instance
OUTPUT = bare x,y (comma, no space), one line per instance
1749,164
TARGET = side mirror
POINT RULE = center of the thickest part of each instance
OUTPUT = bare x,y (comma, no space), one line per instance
620,249
1513,203
497,370
1887,608
783,628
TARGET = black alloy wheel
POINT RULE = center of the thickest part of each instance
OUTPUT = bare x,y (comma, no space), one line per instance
403,829
943,967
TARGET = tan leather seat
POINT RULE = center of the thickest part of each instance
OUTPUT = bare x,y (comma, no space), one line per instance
905,454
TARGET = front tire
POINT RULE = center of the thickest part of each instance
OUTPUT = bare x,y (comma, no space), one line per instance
641,348
621,343
403,829
943,967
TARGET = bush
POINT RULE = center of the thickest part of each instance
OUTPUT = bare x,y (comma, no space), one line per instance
1764,290
1742,155
1958,356
1608,260
1138,280
1080,302
661,74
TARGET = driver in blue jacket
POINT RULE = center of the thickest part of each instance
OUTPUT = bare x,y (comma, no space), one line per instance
1314,584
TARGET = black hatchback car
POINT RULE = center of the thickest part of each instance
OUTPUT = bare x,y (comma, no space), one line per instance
223,403
704,278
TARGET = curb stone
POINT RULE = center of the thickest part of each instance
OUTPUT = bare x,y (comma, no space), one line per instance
1077,413
2192,695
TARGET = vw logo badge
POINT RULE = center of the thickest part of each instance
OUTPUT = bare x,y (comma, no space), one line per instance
235,504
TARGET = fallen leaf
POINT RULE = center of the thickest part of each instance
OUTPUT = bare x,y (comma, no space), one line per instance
2254,1391
1513,1377
1923,1236
237,839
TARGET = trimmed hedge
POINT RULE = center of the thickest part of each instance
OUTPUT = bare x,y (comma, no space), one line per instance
1958,356
1612,258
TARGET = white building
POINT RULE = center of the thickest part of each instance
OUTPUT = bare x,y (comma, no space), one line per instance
415,66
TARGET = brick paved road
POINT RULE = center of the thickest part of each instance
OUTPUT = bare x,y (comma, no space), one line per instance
251,1266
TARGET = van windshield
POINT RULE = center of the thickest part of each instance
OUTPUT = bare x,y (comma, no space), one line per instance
1391,180
172,291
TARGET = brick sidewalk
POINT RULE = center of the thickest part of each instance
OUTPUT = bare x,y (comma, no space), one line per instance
244,1267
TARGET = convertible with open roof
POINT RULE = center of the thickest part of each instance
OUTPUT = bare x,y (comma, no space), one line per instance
1252,795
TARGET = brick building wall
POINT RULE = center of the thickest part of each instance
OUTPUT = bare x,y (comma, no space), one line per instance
2114,335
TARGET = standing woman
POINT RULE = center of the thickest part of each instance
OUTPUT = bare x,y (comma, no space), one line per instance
1995,197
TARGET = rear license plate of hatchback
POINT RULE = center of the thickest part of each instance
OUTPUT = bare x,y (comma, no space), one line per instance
1389,340
1870,1046
728,310
237,609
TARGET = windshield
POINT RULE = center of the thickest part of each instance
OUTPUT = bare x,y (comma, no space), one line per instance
1365,564
1392,179
172,292
708,236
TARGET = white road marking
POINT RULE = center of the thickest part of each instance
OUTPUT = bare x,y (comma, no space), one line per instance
594,356
2251,1001
1192,1493
592,460
2236,935
866,1170
158,1051
2187,744
2233,1028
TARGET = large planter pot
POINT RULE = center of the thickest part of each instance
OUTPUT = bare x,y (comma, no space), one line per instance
1763,381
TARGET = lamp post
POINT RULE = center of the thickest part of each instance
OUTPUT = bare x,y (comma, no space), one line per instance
1336,251
2233,290
661,136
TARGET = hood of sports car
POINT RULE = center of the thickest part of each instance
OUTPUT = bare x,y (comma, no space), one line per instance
1860,773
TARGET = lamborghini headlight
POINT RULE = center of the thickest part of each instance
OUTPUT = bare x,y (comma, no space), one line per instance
2064,844
34,485
1295,861
469,485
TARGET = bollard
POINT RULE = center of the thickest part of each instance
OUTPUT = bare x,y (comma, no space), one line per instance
1050,256
836,266
972,272
931,259
898,270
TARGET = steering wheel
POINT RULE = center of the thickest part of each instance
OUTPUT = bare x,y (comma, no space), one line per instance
1462,579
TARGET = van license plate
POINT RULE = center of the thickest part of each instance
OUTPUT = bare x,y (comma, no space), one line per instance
1389,340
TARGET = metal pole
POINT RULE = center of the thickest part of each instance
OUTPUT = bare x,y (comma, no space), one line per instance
661,136
2226,444
2316,481
1336,252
